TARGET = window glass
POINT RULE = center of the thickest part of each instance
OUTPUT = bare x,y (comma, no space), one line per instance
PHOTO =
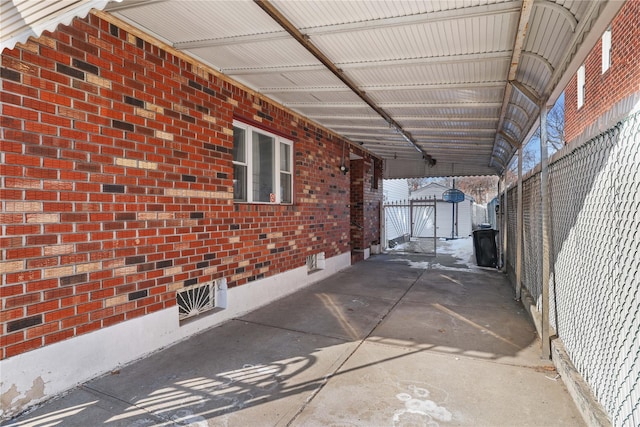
239,145
240,183
239,165
285,173
285,188
285,157
581,84
606,50
263,167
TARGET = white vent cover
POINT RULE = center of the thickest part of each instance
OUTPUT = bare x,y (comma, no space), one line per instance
315,262
197,299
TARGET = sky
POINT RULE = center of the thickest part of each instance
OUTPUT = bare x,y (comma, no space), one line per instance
533,145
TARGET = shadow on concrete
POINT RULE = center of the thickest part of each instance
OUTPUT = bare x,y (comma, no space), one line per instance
312,357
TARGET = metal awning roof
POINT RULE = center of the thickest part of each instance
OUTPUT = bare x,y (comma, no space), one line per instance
435,88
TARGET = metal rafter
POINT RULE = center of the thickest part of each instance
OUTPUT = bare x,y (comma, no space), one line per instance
320,56
372,88
372,64
518,44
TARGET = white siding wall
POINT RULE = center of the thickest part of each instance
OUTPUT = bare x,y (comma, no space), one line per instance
395,189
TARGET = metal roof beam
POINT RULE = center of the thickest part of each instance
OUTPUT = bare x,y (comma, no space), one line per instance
532,97
455,138
461,129
373,88
347,127
421,118
509,139
275,14
540,59
518,44
363,65
396,105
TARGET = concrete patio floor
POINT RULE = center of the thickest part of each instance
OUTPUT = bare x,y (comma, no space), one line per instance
396,340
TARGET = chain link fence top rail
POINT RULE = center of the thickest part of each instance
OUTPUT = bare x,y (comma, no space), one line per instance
594,303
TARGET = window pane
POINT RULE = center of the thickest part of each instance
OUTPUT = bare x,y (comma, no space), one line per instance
285,188
606,50
581,81
240,183
239,145
263,167
285,157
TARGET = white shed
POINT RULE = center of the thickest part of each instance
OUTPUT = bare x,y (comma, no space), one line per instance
452,219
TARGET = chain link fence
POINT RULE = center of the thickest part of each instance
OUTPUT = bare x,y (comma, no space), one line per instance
595,267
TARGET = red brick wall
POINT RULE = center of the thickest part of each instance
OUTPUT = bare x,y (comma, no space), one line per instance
366,200
622,78
372,202
117,187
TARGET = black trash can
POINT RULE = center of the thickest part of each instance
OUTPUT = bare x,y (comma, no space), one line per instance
484,246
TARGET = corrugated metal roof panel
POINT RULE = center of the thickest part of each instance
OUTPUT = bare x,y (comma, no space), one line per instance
282,53
21,19
207,20
441,38
310,96
431,95
428,122
474,70
439,68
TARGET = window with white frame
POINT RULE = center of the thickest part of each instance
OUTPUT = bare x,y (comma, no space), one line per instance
581,82
606,50
262,166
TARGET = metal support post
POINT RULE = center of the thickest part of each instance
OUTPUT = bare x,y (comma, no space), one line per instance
519,227
453,215
505,227
499,222
546,231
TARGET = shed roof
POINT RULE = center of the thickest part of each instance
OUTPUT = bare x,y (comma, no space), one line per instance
436,88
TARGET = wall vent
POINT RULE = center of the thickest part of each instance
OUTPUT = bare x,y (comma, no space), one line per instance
315,262
197,299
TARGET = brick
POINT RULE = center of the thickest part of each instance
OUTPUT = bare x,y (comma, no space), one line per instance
56,315
164,135
43,218
98,81
11,290
7,74
23,253
59,336
58,272
85,66
16,325
113,188
11,266
13,314
23,347
137,295
58,250
73,280
65,69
